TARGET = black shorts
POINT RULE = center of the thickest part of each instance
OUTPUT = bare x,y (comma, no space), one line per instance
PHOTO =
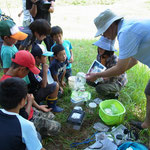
44,92
147,89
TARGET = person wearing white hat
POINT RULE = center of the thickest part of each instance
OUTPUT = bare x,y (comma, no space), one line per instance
108,87
134,45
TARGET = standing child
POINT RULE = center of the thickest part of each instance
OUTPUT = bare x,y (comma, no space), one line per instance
9,33
58,65
16,132
108,87
57,35
27,18
39,85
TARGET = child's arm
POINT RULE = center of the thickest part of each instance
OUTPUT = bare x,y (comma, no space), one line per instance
51,9
30,99
62,83
71,59
33,10
44,79
19,15
41,107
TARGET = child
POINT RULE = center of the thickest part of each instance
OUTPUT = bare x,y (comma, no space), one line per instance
27,18
108,87
9,33
57,35
39,84
37,31
22,62
58,65
16,132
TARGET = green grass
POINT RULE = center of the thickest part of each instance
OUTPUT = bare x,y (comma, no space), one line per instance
132,97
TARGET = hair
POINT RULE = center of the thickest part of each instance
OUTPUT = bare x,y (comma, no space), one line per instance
12,91
15,65
117,21
41,26
56,30
108,53
57,48
2,37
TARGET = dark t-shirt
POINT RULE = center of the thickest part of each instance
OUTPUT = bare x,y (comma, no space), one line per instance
35,82
41,13
57,68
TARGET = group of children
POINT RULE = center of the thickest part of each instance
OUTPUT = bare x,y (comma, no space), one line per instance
32,67
29,62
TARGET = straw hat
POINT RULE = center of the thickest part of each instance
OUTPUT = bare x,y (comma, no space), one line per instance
104,20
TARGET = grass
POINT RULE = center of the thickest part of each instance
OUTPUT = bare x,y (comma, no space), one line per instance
132,97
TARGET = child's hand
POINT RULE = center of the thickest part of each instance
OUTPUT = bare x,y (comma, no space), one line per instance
45,66
63,84
61,89
71,60
30,98
19,15
44,108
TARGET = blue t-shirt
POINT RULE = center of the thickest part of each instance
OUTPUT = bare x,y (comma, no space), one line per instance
57,68
17,133
134,40
67,45
7,52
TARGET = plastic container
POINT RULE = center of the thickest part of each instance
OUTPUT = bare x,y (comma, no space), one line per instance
75,119
112,112
92,106
72,81
79,97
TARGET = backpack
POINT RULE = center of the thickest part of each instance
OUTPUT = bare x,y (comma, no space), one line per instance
132,146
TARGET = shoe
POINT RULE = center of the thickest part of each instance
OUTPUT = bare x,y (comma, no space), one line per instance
55,108
137,124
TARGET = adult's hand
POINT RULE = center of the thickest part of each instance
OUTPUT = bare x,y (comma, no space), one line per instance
91,77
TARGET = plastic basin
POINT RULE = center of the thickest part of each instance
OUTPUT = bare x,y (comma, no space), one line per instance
112,112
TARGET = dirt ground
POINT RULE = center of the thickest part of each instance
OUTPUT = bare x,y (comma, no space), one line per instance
77,21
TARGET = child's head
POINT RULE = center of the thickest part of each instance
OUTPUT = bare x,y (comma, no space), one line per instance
13,92
105,46
40,28
40,53
23,62
59,52
10,33
57,34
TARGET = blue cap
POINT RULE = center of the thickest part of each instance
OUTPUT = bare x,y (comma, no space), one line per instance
105,44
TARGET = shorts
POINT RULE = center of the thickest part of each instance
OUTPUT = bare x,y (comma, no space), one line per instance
147,89
42,93
45,124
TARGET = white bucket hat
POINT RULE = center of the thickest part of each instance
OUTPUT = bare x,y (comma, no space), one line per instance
104,20
105,44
